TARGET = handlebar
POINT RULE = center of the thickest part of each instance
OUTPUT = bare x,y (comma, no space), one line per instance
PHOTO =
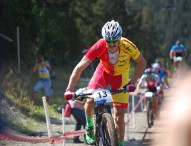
84,94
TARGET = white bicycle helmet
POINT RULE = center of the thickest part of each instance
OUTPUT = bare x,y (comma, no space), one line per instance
111,31
148,71
155,65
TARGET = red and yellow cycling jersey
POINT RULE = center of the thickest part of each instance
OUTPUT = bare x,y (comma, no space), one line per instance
127,50
116,75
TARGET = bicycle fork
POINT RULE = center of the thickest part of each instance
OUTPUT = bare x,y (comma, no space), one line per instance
99,134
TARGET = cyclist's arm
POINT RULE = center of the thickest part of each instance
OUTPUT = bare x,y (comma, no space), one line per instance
141,64
141,82
157,78
77,73
185,52
171,54
172,51
168,72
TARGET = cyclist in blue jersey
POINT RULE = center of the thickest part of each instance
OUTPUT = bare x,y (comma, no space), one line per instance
176,53
162,73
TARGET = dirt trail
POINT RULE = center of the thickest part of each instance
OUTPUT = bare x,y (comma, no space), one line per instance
138,133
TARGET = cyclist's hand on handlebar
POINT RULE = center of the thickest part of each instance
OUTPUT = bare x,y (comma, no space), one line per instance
130,87
138,93
69,95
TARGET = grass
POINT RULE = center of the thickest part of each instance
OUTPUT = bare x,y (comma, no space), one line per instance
18,89
60,83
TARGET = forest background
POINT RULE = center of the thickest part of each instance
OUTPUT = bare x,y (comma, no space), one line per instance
60,29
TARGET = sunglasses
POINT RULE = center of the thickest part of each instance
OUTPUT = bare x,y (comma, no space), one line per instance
112,41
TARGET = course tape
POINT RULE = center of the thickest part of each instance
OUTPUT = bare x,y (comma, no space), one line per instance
68,135
133,110
11,136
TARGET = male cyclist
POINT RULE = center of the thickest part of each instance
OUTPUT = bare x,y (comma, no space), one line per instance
162,73
176,53
114,53
151,81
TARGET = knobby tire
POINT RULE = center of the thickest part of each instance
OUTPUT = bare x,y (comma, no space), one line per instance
150,114
109,131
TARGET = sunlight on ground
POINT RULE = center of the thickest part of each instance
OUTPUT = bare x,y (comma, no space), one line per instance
177,112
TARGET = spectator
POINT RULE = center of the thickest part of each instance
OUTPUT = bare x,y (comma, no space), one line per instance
43,68
77,110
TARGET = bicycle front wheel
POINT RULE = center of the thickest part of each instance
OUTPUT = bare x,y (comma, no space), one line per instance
150,114
109,132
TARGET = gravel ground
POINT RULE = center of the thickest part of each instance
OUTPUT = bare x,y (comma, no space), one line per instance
133,136
137,132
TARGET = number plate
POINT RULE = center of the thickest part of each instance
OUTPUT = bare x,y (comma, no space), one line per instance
102,94
149,94
179,58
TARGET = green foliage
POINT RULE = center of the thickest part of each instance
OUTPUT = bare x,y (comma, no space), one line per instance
60,29
17,90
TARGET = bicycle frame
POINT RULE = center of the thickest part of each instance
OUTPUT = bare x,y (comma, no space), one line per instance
105,132
151,111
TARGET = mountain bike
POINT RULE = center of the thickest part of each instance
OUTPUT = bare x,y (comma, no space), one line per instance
159,94
104,129
151,111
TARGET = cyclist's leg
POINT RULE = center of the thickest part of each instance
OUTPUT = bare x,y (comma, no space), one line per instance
181,64
96,82
89,108
119,114
162,89
165,81
155,102
175,64
145,104
120,103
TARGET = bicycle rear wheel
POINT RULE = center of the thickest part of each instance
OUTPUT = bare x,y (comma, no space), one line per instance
150,114
109,132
